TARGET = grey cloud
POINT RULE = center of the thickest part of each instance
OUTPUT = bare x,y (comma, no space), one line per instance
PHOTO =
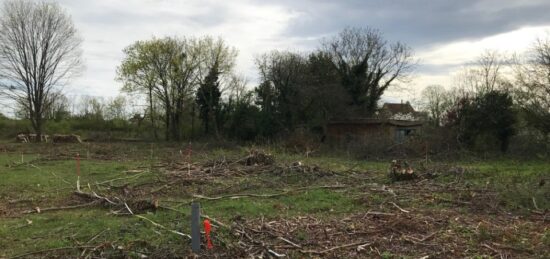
441,69
420,23
109,26
144,13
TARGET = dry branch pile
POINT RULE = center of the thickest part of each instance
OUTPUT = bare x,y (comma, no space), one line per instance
370,234
257,157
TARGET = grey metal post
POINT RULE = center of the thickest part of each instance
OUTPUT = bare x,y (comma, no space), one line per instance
195,227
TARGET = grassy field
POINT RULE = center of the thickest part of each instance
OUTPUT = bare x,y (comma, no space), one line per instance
300,207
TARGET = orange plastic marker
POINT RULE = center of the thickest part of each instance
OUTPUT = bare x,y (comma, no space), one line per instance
207,229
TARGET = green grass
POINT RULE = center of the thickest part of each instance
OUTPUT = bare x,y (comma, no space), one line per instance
518,182
314,202
71,228
50,183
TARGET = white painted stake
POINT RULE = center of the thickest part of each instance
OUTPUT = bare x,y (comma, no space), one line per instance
78,183
78,172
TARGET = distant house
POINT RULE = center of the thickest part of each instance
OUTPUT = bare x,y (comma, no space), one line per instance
394,123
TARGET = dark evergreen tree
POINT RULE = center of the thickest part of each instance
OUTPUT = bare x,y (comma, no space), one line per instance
266,96
208,100
490,115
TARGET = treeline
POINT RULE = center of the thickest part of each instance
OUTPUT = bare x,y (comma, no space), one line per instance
190,87
495,101
187,78
95,117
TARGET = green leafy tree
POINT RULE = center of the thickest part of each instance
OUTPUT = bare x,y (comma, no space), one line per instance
138,75
170,70
165,68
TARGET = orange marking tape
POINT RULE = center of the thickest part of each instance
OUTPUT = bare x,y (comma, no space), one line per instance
207,229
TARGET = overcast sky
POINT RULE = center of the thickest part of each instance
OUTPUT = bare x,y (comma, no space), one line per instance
444,34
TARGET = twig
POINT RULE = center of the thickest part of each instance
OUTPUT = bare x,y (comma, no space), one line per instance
490,248
163,227
379,213
518,249
215,221
416,241
290,242
285,192
535,203
128,208
65,181
97,235
61,208
103,198
363,244
237,196
275,253
401,209
123,178
50,250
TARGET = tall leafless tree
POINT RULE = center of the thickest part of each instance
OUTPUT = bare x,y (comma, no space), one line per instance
533,79
434,102
368,64
39,52
485,74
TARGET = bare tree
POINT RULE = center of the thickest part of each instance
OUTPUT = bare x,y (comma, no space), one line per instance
92,107
484,75
117,108
368,64
59,108
39,52
236,88
533,78
434,102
